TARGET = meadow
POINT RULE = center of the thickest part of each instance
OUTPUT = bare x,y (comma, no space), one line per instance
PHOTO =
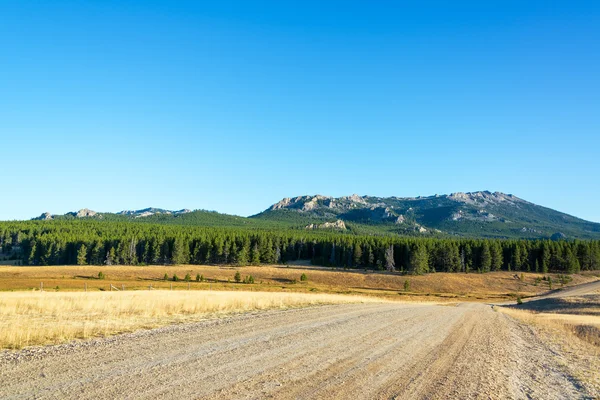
37,318
439,286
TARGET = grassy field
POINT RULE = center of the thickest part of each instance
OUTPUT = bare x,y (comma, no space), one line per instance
34,318
438,286
575,315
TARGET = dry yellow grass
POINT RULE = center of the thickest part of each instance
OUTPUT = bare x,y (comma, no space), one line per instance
577,338
584,327
452,286
32,318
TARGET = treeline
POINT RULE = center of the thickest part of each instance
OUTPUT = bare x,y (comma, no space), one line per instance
112,243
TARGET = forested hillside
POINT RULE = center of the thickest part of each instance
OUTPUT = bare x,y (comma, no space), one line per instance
477,214
102,242
469,215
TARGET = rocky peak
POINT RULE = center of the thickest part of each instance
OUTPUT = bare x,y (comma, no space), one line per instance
44,217
483,198
83,213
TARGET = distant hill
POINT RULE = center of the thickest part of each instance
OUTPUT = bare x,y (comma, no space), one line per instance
476,214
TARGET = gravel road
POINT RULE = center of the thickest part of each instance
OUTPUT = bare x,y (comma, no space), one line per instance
577,290
350,351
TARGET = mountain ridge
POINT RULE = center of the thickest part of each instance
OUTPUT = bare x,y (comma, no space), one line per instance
480,213
469,214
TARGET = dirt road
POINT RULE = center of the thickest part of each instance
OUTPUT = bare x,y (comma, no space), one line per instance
577,290
350,351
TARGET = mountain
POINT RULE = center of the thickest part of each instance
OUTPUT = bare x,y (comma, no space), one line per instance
146,212
87,213
475,214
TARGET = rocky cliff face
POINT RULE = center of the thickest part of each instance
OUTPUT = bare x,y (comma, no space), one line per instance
44,217
337,225
84,213
482,213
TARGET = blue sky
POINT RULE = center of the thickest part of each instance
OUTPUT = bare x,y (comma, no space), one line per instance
232,106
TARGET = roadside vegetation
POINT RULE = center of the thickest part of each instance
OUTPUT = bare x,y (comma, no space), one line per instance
36,318
572,326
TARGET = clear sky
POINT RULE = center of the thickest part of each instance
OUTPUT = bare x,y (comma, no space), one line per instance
232,106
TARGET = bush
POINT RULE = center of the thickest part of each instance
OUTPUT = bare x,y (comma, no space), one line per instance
564,279
101,275
237,277
406,285
175,278
197,277
303,278
188,277
249,279
519,301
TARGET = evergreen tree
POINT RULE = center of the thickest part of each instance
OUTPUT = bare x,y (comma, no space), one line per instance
496,253
419,261
82,255
357,255
486,257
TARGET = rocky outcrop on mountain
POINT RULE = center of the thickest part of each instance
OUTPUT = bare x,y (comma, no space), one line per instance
84,213
44,217
147,212
338,225
558,236
482,213
484,198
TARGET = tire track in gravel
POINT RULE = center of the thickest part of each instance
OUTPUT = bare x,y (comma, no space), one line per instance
382,351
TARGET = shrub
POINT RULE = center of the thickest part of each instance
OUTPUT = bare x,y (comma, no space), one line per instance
564,279
522,277
101,275
249,279
188,277
303,278
175,278
406,285
519,301
237,277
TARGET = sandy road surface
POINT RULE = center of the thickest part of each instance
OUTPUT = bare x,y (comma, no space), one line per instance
349,351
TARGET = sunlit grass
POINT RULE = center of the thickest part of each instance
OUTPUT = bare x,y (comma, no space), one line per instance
33,318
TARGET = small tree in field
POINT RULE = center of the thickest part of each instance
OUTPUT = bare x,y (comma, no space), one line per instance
406,285
197,277
166,277
188,277
175,278
303,278
101,275
237,277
